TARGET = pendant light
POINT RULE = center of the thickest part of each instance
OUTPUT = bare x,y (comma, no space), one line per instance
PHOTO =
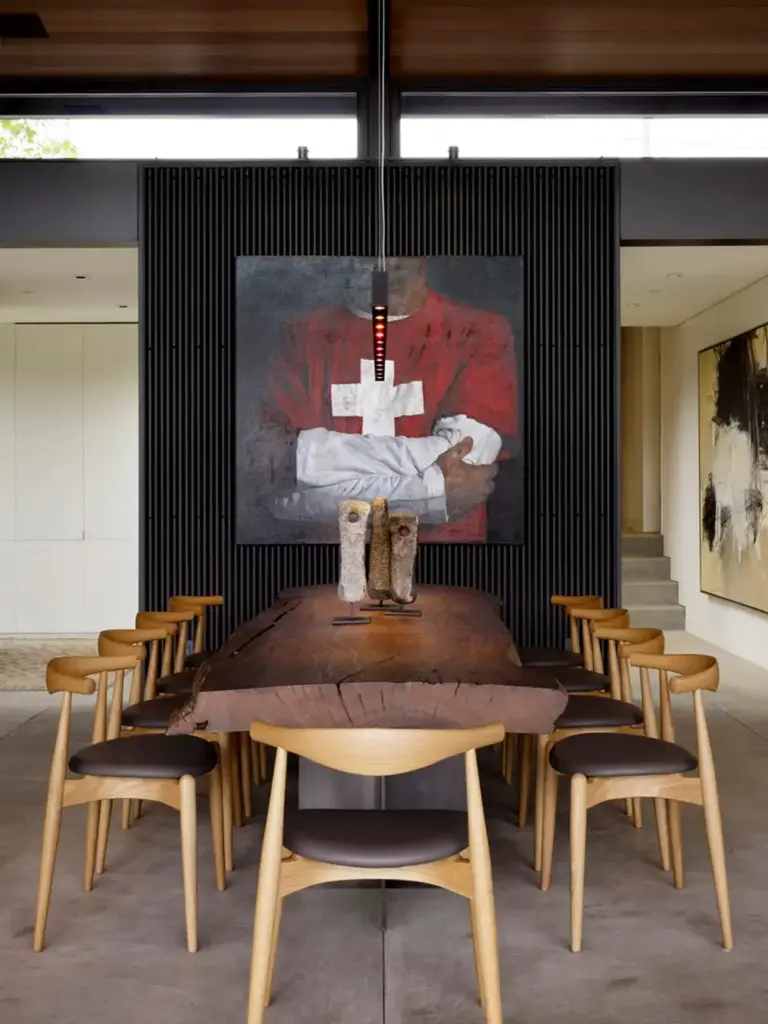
380,279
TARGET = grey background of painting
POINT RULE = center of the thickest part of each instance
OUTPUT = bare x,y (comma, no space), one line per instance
273,291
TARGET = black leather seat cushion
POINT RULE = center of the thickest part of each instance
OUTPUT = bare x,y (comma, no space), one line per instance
602,754
548,657
153,714
152,756
581,680
376,839
196,660
180,683
584,711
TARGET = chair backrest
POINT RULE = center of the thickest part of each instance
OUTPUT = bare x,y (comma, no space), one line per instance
69,676
589,618
622,643
691,673
571,601
133,643
176,625
201,603
377,751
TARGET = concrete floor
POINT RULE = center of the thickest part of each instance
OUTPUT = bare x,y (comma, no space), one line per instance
651,953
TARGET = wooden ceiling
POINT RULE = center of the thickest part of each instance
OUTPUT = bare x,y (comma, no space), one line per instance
323,40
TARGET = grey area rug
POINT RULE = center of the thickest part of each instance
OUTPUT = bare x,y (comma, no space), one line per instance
23,661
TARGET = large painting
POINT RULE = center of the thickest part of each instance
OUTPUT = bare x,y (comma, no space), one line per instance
733,468
439,437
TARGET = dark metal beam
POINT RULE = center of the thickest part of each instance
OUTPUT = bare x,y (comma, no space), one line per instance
58,98
379,64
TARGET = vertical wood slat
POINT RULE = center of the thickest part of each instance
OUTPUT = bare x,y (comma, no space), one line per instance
561,219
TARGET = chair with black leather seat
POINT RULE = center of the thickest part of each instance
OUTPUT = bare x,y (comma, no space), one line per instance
600,713
159,768
175,647
201,603
443,848
556,657
607,767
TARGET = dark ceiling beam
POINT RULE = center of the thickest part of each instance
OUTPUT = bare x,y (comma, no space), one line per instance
378,65
472,98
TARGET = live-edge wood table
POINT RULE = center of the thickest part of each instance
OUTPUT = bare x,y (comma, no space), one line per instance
449,668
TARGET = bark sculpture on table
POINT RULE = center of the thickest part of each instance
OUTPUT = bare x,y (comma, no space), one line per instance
404,534
379,572
353,528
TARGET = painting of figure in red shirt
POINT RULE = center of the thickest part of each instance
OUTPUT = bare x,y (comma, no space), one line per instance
439,436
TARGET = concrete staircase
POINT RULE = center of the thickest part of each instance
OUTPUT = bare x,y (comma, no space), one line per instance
647,591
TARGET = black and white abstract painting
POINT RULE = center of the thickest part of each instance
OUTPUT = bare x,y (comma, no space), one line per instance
733,468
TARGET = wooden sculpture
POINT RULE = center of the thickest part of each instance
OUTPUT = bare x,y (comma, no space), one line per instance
379,585
353,527
404,535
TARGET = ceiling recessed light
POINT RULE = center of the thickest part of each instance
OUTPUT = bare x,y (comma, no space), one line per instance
634,305
81,277
654,291
121,306
676,274
27,293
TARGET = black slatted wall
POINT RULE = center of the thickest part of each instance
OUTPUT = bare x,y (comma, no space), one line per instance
561,219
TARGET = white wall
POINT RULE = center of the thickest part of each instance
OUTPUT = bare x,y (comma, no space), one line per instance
736,629
640,429
69,453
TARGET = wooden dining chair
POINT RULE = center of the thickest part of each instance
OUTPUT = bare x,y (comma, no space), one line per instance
593,713
608,767
159,768
443,848
559,657
201,604
175,646
588,619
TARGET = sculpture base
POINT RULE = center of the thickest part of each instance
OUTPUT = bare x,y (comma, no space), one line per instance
352,620
413,613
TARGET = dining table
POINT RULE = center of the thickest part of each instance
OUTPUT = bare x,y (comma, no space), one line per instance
453,664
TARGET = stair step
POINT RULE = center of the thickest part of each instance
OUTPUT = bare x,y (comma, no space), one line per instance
635,568
658,616
648,592
642,544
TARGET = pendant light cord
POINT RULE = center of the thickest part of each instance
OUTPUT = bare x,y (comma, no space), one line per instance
382,134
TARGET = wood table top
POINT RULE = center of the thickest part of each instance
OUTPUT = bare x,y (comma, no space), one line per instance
450,667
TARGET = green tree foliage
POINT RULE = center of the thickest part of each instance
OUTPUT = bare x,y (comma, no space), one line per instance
32,140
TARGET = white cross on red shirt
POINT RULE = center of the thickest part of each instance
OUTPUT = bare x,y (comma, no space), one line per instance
378,402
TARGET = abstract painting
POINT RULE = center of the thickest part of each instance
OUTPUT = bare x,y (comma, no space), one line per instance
733,468
439,437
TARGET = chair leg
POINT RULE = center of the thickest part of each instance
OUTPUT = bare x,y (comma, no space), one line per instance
51,829
263,762
714,825
637,812
526,753
245,774
662,828
225,751
126,815
510,758
542,742
551,780
255,771
273,954
188,801
105,820
676,843
234,767
217,826
91,835
267,899
478,973
487,942
578,857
